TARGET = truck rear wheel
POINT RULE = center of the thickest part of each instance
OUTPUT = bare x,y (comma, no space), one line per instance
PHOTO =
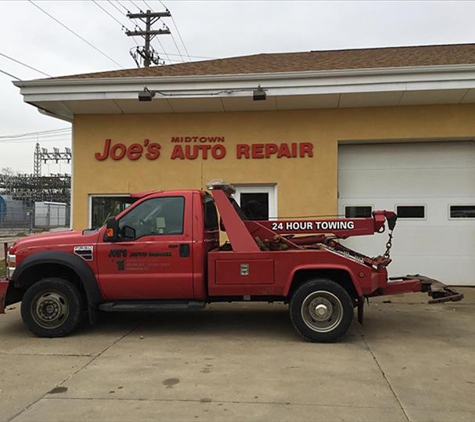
321,310
52,307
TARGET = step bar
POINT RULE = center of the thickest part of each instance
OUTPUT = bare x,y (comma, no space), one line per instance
152,306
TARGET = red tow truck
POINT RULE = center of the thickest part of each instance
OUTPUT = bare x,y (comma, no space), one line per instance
163,253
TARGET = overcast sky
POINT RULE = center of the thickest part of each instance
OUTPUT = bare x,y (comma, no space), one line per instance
210,29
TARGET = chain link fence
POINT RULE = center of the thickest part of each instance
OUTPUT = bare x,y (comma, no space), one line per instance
42,216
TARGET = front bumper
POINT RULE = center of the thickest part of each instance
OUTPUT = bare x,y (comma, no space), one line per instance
4,283
437,290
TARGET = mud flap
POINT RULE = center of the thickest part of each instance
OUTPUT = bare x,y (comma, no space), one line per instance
360,307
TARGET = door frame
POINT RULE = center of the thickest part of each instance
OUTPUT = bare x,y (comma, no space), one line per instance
269,188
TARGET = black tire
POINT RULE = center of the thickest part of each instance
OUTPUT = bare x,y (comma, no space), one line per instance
333,317
52,307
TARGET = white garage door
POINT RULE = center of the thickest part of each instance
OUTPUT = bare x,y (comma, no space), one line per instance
431,186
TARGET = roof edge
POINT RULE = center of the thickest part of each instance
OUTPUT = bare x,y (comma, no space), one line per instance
246,76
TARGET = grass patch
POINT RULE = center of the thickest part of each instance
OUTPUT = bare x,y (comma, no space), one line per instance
2,267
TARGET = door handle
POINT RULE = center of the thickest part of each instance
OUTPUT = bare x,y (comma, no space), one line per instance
184,250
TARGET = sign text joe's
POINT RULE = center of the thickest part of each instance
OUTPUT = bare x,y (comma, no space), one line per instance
186,148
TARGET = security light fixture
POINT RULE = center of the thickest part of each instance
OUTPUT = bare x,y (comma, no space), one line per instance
259,94
146,94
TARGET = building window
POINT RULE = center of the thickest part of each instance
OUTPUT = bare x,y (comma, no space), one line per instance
411,211
358,211
255,205
258,202
103,207
462,211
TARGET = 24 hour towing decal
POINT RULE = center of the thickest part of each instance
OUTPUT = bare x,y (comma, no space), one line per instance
313,225
340,227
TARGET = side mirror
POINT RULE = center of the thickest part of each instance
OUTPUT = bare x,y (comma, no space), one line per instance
112,230
127,232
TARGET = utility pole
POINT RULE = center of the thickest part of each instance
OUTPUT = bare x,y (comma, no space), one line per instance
43,154
147,53
37,161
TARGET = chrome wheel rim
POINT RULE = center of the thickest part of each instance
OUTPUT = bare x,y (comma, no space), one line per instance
50,309
322,311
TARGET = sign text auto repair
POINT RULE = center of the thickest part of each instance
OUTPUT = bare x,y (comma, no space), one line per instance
204,147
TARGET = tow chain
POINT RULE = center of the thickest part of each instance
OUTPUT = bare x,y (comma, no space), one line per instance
389,245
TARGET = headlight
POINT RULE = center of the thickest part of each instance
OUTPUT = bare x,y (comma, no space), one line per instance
11,260
11,265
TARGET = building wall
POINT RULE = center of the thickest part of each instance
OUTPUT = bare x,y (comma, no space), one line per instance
306,186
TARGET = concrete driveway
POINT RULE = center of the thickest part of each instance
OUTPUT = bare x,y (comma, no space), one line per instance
241,362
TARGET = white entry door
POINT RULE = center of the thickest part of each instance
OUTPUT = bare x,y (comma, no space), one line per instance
259,202
431,186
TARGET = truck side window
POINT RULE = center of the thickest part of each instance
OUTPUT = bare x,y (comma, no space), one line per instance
211,215
156,216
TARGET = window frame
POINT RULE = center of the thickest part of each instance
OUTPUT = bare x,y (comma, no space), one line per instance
424,206
358,206
459,218
159,234
98,195
206,198
269,188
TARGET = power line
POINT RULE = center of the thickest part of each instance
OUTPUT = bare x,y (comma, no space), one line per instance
38,133
121,5
104,10
24,64
9,74
195,57
59,137
176,45
178,32
140,10
76,34
164,52
116,8
29,141
113,17
163,4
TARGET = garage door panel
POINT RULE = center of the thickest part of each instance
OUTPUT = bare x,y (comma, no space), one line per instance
436,214
425,155
445,269
433,175
408,183
417,241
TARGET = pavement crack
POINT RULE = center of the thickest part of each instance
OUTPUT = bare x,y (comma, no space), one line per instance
164,400
383,374
49,354
80,369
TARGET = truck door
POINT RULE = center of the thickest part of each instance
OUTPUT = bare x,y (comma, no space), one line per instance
156,261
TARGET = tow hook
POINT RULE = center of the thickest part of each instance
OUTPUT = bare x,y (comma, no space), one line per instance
437,290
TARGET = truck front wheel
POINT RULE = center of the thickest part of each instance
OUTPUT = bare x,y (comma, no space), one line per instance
321,310
52,307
